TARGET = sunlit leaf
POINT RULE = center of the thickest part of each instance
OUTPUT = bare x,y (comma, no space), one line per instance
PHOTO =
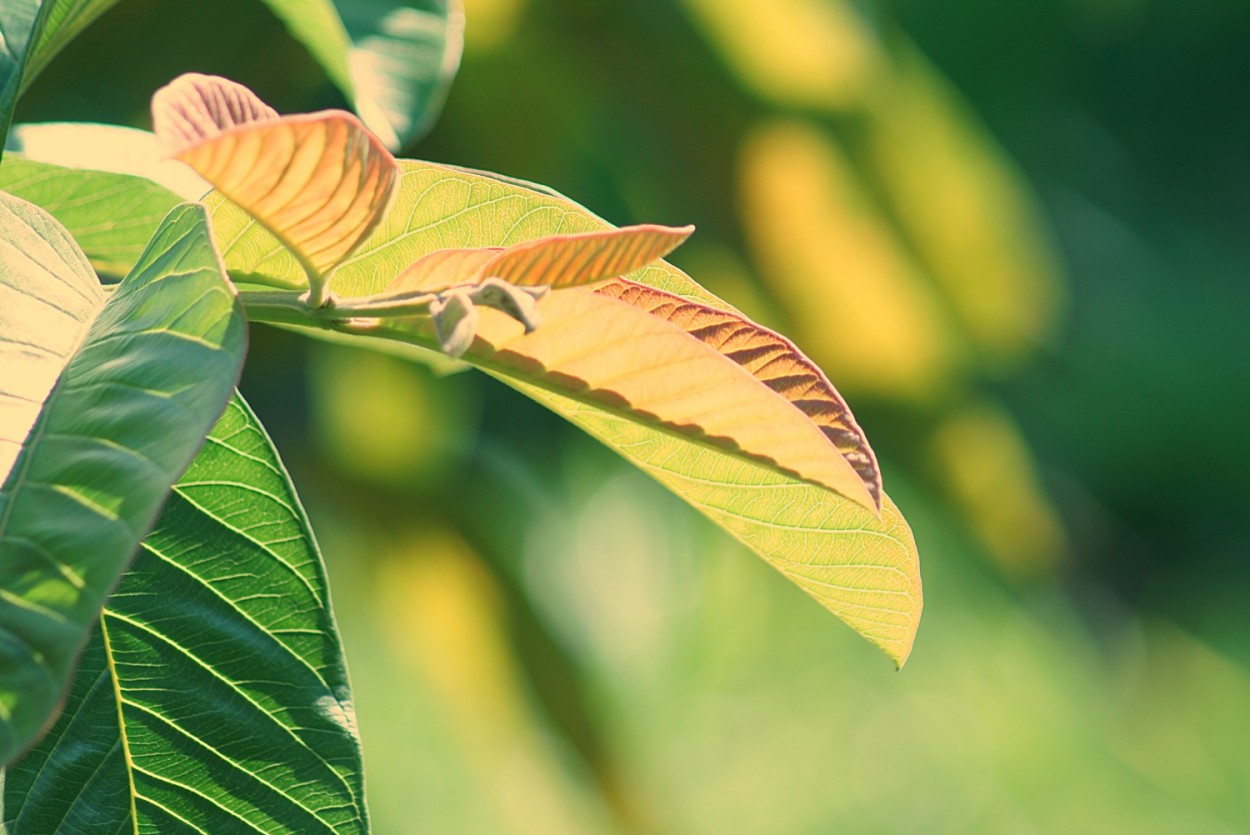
111,216
772,359
213,692
109,148
862,568
120,394
320,182
612,354
556,261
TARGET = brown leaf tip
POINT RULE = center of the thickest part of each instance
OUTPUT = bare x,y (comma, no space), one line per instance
195,107
773,360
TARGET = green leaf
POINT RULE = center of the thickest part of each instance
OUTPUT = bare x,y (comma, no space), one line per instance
17,24
111,216
31,33
110,403
863,569
219,657
404,56
393,59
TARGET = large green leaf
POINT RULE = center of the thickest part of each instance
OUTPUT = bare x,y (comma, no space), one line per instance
109,403
863,569
219,657
31,33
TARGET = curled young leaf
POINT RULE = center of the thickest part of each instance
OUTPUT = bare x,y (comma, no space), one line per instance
772,359
455,322
554,261
521,303
320,182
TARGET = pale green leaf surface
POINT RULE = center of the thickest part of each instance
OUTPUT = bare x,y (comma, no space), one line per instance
863,569
111,216
128,412
110,148
220,645
48,298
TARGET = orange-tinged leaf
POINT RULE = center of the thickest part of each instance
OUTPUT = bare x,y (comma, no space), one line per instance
770,358
556,261
319,181
613,354
443,268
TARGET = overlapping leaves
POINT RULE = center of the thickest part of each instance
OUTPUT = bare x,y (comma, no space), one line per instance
113,396
732,417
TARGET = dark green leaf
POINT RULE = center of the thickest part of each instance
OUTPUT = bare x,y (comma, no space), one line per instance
220,656
30,35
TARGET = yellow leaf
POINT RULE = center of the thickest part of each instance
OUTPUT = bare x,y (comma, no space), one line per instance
554,261
319,181
770,358
608,352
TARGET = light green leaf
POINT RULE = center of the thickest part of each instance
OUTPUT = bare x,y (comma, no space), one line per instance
111,216
864,569
116,396
220,658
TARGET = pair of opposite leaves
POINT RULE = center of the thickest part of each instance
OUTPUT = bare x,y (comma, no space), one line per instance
321,183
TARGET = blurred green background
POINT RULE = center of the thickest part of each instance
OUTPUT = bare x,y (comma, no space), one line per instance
1014,235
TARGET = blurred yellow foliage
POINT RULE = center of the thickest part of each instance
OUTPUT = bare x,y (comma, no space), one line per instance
985,464
490,23
377,418
961,205
859,304
445,615
801,53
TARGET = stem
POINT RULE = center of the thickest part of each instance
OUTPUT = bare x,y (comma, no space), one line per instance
296,308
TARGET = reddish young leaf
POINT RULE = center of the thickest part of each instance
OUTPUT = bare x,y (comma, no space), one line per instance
556,261
772,359
319,181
